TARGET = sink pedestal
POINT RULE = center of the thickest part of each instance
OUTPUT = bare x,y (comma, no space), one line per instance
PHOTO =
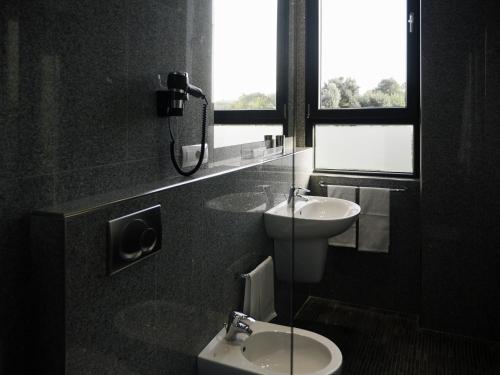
309,259
309,224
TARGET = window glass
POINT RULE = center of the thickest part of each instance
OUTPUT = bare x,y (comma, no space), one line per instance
381,148
362,53
244,54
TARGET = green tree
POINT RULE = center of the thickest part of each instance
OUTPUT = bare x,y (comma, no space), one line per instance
349,92
330,95
388,93
222,105
389,86
255,100
375,98
398,100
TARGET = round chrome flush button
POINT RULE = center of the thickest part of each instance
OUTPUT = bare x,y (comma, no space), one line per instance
134,240
148,239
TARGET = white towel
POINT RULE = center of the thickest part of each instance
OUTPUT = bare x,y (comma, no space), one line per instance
374,220
259,292
347,238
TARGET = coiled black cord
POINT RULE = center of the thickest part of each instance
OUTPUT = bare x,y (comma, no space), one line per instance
203,139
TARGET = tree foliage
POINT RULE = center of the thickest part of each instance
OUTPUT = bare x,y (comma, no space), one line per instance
389,86
388,93
254,100
348,90
375,98
340,92
330,95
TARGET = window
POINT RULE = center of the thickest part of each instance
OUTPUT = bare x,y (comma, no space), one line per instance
362,85
250,52
378,148
231,135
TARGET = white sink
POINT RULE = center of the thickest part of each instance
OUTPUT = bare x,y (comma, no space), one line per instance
318,217
314,221
268,351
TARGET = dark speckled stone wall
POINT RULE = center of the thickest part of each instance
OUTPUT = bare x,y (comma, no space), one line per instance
460,173
77,117
156,316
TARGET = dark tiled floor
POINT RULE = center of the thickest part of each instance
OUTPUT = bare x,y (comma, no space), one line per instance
375,342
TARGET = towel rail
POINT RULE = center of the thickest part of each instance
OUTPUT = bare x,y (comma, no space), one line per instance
324,185
239,276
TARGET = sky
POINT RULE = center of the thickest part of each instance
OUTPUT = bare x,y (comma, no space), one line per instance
244,47
369,34
373,40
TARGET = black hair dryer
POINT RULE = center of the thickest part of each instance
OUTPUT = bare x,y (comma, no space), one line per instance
170,101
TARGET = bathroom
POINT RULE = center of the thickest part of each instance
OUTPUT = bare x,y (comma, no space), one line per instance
88,116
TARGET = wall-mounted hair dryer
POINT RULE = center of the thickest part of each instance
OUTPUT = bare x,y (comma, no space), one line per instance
170,102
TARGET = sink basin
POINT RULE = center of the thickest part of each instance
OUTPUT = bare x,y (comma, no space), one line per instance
271,350
318,217
313,222
268,351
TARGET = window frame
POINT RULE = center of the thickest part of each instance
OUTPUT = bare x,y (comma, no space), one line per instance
364,116
267,116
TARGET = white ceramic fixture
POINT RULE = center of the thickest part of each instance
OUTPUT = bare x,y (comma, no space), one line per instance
268,351
314,221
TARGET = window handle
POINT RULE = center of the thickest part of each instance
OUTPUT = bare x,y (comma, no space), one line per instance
411,21
308,114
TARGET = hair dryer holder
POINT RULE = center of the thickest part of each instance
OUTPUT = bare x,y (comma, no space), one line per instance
170,99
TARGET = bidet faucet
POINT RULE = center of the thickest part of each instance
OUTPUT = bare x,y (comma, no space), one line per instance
296,192
238,322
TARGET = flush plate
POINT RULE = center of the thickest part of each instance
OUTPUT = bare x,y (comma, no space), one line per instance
133,237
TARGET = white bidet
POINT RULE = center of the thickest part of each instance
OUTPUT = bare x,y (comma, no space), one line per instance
268,351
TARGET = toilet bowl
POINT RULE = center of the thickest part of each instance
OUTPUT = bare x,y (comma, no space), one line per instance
268,351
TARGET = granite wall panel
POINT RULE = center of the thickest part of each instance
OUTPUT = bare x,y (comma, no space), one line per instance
157,315
460,175
78,116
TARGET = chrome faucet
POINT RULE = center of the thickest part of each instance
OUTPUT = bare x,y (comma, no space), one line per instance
296,192
238,323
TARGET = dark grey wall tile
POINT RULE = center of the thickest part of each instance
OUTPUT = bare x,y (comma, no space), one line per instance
18,197
161,312
17,302
297,80
459,166
89,182
77,106
78,83
458,67
448,21
106,315
47,316
155,38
